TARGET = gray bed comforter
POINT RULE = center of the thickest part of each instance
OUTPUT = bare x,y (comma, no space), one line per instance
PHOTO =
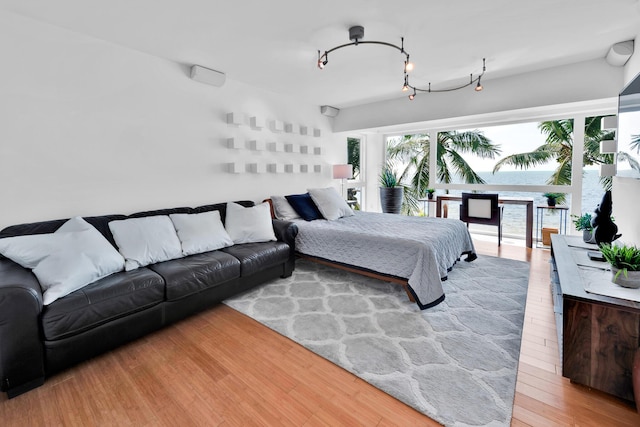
419,249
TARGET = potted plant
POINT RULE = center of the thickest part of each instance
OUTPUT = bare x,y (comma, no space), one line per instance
391,191
583,223
625,264
552,198
430,192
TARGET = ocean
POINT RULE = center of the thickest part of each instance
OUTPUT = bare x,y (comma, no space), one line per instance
514,218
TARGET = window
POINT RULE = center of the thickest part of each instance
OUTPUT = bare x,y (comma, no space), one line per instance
355,188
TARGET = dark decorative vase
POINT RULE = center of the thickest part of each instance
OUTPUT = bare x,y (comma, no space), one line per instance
430,196
551,201
391,199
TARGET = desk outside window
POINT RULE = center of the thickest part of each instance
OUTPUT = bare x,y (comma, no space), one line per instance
527,202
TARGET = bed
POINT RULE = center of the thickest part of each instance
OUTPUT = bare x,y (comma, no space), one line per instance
416,252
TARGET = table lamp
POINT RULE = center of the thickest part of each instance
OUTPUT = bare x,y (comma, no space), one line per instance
342,172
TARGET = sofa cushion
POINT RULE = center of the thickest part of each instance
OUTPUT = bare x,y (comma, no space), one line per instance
255,257
249,225
201,232
101,223
192,274
107,299
73,256
146,240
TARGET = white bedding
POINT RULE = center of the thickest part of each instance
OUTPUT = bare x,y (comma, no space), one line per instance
419,249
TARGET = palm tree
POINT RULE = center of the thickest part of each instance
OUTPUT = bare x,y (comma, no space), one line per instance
558,146
353,155
412,151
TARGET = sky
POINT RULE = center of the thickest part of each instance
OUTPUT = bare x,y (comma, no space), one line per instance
524,137
513,139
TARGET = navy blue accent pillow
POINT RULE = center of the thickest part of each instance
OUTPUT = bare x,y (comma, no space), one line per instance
304,205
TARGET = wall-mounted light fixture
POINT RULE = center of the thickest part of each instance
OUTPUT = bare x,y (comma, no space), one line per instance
356,33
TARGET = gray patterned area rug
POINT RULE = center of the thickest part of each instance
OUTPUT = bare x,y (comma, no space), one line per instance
455,362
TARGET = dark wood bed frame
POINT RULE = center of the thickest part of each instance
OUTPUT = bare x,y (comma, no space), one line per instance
362,271
354,269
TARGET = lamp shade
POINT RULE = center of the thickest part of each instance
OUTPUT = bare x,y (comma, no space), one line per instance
342,171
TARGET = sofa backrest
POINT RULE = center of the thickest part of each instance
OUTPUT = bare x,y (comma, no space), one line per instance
222,207
101,223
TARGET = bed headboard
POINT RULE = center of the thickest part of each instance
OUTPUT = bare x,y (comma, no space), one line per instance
273,212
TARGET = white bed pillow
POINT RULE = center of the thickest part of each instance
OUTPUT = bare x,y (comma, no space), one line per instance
283,209
146,240
330,203
249,225
201,232
65,261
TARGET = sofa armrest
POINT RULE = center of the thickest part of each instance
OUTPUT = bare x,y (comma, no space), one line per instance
21,347
286,231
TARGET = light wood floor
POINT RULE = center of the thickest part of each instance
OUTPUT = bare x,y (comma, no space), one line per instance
222,368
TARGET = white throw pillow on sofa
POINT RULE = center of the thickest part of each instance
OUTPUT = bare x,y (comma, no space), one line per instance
65,261
283,209
330,204
201,232
249,225
146,240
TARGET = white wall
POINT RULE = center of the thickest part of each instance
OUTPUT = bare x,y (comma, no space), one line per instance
625,208
632,67
374,159
591,80
91,128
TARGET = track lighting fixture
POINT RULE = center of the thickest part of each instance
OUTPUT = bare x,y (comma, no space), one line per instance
478,86
356,33
472,80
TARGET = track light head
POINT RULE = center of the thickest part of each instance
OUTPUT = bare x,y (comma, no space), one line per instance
405,87
322,60
408,65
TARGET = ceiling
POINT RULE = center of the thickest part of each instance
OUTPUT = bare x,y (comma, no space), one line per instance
273,44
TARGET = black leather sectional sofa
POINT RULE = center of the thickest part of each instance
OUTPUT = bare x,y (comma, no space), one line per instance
37,340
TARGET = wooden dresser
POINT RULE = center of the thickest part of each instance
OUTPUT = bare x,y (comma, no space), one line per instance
598,335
